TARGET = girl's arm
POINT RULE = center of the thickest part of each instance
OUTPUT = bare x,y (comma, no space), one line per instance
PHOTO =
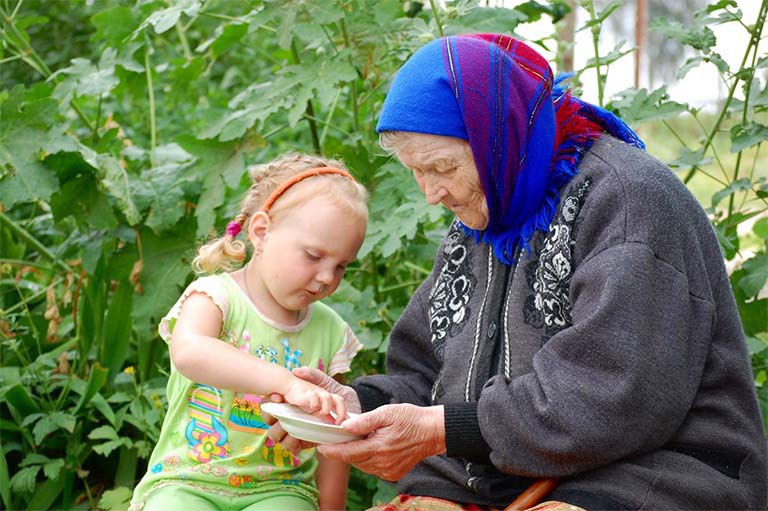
201,356
332,477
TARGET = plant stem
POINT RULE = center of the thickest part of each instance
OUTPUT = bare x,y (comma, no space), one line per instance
31,57
29,299
595,40
25,236
275,131
11,59
731,91
437,18
327,123
35,333
184,42
310,111
353,83
22,263
224,17
95,131
16,9
753,43
151,97
197,15
417,268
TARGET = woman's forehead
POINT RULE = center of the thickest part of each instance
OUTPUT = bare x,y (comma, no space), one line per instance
422,149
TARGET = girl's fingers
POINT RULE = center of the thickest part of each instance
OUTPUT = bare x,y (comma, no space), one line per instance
326,404
276,433
340,407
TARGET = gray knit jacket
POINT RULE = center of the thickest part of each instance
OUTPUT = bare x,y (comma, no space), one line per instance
612,356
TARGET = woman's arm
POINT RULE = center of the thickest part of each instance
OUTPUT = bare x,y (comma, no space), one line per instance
199,355
332,477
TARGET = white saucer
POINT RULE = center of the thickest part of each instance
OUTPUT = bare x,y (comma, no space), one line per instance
304,426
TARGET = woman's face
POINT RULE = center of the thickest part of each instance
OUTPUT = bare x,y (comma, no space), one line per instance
445,171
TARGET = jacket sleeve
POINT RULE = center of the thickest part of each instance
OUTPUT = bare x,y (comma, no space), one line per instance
411,365
616,383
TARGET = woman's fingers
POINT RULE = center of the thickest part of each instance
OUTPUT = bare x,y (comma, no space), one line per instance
314,376
398,437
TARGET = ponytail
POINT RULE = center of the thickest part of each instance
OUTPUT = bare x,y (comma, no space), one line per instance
222,254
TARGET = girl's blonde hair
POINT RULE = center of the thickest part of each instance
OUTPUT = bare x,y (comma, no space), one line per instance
227,253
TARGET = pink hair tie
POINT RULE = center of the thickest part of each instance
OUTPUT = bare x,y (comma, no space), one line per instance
317,171
233,228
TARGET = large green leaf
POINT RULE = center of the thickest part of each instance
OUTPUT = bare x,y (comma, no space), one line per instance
755,275
495,20
217,163
164,19
699,37
51,423
114,24
91,311
167,261
117,499
18,397
118,326
25,117
96,379
24,479
746,135
5,486
160,188
80,199
113,179
638,105
84,78
47,493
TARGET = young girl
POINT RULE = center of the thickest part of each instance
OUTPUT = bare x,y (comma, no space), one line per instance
234,337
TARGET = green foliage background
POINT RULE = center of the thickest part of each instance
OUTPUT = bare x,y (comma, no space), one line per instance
125,131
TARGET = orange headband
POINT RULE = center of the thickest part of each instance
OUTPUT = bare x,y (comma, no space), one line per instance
318,171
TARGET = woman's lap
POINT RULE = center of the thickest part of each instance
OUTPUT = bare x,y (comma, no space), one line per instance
417,503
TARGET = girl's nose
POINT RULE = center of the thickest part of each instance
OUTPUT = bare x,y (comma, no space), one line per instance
324,276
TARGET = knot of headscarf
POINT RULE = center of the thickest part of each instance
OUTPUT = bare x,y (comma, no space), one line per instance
526,131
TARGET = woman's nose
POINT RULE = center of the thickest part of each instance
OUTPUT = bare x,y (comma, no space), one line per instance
433,191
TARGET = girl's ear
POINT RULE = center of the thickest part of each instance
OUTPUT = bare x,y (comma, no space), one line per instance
258,227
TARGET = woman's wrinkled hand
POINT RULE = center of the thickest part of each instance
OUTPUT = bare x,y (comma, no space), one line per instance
319,378
398,437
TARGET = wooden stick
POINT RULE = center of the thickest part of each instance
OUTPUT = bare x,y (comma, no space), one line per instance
533,495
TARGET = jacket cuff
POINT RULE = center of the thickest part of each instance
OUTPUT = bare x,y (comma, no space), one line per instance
463,438
370,397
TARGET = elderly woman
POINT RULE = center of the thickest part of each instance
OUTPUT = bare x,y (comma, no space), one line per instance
578,323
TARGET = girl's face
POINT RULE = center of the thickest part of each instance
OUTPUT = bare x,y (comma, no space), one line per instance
445,171
301,258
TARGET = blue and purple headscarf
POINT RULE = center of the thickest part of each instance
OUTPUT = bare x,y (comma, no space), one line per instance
527,133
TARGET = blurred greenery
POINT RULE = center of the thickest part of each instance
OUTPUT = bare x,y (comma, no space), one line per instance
125,130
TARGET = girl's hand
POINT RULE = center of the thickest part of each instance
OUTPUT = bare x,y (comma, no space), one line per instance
319,378
315,400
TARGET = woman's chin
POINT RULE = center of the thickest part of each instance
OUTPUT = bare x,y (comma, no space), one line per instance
474,223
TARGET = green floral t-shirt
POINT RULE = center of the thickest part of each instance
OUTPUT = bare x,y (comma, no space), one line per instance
216,439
